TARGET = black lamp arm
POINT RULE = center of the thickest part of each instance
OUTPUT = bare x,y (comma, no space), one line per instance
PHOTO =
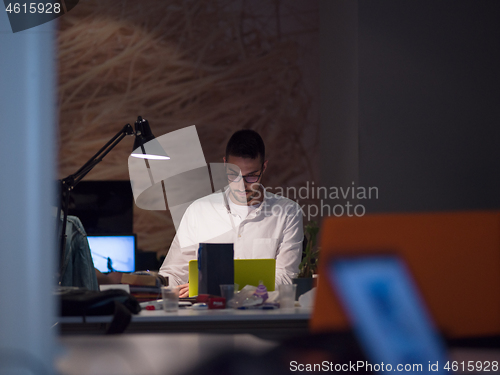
99,155
68,183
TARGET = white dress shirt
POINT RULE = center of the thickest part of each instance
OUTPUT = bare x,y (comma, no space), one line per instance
274,229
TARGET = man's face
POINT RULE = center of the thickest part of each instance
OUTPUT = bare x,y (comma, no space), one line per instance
244,192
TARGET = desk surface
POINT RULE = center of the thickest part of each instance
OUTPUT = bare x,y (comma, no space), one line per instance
169,354
290,322
148,354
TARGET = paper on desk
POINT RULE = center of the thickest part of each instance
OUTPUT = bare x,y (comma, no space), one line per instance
273,297
307,299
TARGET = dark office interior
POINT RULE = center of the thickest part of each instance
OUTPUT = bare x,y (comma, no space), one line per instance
394,98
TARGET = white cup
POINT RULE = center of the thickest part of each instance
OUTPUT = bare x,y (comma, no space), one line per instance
287,295
170,295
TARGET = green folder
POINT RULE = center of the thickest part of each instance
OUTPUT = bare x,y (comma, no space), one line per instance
246,272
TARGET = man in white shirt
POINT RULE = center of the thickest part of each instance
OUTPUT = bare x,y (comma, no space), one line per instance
258,223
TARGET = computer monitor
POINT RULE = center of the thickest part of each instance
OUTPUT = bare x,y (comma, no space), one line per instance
113,252
388,314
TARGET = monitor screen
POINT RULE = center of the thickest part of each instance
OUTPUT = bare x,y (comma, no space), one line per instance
388,314
113,252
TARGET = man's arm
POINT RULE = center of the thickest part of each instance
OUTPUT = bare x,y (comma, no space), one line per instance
289,253
176,268
176,263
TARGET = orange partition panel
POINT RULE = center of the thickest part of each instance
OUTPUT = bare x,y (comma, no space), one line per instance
454,258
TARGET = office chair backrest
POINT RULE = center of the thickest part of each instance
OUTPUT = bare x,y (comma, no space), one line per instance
455,258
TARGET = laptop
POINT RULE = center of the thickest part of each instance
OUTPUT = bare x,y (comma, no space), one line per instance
246,272
389,317
113,253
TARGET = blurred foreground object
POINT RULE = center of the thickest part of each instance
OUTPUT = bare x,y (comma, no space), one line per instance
455,258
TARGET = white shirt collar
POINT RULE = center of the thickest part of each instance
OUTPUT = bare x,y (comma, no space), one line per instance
228,202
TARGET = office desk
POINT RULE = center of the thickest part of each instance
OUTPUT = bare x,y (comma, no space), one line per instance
148,354
169,354
276,323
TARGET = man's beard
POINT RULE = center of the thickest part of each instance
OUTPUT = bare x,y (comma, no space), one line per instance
246,198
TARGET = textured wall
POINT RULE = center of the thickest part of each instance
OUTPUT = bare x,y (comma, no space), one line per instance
221,65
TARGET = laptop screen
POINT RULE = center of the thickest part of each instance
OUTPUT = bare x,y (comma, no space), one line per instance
388,314
113,253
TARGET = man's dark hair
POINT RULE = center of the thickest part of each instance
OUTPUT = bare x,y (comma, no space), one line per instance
246,143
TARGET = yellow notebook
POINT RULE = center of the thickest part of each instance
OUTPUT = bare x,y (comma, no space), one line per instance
246,272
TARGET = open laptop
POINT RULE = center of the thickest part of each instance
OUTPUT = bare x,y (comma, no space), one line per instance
113,252
246,272
388,315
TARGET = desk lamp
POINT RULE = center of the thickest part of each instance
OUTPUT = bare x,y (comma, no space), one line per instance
145,147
